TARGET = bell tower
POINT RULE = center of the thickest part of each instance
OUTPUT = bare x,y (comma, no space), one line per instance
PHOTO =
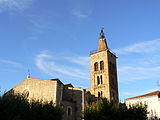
103,71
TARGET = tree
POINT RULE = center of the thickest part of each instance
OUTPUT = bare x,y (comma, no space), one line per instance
16,107
105,110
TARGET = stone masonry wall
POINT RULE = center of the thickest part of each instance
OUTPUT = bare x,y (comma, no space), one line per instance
38,89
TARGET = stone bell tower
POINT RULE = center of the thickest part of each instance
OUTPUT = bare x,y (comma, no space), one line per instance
103,71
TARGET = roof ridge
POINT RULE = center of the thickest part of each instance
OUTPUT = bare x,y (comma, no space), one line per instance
145,95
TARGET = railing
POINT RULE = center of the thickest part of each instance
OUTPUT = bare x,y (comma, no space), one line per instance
112,52
95,51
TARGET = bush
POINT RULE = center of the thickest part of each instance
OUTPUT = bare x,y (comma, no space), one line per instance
17,107
104,110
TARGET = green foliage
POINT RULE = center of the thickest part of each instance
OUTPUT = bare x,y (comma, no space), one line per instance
16,107
104,110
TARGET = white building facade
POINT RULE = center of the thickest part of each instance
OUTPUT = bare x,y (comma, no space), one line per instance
152,100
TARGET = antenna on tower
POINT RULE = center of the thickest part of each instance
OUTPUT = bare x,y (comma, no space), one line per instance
158,84
28,75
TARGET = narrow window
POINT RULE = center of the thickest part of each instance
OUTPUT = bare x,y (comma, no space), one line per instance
101,65
98,80
96,66
101,79
69,111
159,96
25,93
99,94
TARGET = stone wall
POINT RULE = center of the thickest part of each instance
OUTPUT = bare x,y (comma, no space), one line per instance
69,105
113,77
38,89
97,57
109,86
77,96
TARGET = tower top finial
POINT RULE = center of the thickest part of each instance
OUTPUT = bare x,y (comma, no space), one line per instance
28,76
102,28
102,33
102,44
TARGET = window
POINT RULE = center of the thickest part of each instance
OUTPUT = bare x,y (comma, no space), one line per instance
159,96
101,79
96,66
25,93
101,65
145,102
99,94
98,80
69,110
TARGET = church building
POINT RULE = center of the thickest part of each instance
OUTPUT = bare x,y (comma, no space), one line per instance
104,84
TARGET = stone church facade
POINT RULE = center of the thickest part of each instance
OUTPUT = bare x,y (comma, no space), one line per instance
104,84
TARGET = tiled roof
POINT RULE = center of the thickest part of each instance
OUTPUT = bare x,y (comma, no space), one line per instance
56,79
69,85
146,95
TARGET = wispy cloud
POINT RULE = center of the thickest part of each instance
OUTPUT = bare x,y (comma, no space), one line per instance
7,5
48,64
9,62
84,61
139,61
78,13
40,24
141,47
134,73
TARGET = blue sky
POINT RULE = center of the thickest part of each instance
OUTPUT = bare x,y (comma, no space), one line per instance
53,39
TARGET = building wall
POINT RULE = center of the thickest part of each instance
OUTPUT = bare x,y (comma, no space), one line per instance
54,90
113,80
59,93
66,106
109,87
97,57
152,102
77,96
39,89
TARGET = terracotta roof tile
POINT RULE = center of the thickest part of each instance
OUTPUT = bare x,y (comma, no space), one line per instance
145,95
69,85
